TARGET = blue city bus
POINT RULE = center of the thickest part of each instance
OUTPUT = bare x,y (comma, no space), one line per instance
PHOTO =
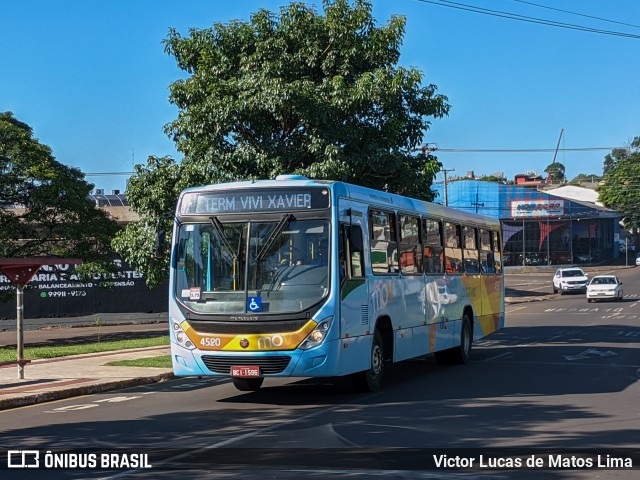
296,277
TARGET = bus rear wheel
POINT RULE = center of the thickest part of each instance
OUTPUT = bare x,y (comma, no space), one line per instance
247,384
461,354
371,380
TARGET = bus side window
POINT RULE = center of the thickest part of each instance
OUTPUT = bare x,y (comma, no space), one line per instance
384,246
453,248
487,262
497,252
410,246
350,256
355,251
432,235
471,265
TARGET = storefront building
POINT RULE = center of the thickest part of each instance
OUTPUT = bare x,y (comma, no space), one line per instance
539,228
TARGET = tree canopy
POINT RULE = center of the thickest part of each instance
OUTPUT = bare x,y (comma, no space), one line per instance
44,205
291,92
303,93
557,171
586,178
620,189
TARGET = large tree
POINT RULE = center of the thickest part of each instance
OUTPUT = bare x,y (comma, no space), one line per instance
152,192
44,205
620,189
293,92
556,172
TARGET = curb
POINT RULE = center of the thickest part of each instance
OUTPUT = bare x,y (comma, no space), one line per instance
37,398
516,300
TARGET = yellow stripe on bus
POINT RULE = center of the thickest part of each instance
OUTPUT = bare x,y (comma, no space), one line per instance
248,342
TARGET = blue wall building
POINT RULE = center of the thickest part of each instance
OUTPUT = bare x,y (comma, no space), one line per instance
538,228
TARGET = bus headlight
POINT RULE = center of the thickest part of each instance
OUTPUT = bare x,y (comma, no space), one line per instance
317,335
181,337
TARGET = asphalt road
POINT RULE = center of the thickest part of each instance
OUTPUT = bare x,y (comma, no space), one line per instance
562,375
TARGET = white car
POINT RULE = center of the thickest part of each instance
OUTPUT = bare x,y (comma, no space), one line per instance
569,280
638,261
603,287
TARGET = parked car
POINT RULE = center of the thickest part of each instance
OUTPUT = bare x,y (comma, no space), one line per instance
583,258
569,280
638,260
604,287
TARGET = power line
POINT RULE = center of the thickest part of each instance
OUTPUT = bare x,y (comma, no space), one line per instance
577,14
524,18
522,150
433,147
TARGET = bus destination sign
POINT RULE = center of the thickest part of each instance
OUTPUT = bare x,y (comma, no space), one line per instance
213,203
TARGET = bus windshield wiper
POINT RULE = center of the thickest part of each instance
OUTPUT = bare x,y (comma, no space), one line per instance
286,220
220,229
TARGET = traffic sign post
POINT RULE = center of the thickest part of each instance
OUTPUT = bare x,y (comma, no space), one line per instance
20,271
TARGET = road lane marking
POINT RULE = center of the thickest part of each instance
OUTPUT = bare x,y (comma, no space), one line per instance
239,438
117,399
72,408
592,352
505,354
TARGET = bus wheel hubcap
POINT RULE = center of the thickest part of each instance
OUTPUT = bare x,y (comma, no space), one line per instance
376,360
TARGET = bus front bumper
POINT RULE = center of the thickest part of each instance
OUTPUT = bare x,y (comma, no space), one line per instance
322,361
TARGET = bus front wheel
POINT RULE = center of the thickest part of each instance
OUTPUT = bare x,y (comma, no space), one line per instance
371,380
247,384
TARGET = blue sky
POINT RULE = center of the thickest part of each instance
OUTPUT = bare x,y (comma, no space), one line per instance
92,78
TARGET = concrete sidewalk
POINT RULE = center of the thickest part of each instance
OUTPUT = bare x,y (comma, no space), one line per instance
57,378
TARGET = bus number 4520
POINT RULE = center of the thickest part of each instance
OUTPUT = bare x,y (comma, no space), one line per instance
210,342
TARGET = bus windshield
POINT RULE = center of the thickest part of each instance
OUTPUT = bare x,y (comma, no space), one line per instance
280,266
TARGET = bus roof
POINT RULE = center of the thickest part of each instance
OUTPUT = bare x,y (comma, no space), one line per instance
356,192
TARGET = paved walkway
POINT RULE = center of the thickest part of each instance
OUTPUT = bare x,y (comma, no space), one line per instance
58,378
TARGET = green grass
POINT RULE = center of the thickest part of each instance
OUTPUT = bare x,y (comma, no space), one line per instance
8,354
163,361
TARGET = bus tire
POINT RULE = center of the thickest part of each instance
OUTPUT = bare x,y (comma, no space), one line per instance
371,380
247,384
461,354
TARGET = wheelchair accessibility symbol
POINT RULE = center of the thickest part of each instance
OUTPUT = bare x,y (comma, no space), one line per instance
254,304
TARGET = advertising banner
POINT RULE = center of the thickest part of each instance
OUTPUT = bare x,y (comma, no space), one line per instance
56,291
537,208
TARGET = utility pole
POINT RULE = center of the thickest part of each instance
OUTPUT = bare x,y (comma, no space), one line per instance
446,198
432,147
476,203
